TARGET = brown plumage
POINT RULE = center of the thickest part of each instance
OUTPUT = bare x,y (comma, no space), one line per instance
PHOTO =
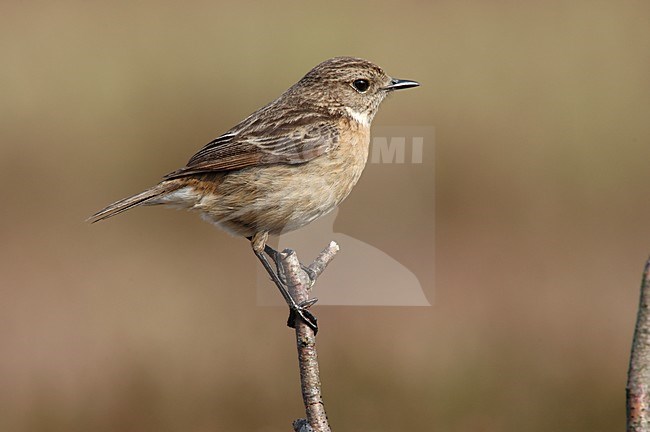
285,165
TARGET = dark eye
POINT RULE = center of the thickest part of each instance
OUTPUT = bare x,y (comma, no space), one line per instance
361,85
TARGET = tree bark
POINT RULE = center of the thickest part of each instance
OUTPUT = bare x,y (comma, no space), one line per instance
299,285
638,382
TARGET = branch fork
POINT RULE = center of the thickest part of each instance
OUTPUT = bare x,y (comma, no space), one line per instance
299,283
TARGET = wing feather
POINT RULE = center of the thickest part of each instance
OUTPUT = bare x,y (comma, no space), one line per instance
247,145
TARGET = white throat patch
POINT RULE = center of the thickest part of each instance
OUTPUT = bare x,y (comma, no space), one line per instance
361,118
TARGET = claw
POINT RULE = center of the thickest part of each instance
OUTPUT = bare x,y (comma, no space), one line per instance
306,317
308,303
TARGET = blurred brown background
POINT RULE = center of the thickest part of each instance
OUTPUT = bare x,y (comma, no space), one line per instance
144,323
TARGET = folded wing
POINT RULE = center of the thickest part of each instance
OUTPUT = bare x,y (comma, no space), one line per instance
251,146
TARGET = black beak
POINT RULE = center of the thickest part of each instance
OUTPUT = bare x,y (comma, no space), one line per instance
399,84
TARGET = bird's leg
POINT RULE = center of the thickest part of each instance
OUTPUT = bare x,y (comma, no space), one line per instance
258,242
275,256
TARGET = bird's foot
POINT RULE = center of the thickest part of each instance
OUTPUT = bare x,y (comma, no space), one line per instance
296,310
301,311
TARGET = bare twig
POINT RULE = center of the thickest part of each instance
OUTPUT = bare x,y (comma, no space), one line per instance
299,285
324,258
638,381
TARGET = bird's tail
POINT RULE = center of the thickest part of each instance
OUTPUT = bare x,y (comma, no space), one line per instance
146,197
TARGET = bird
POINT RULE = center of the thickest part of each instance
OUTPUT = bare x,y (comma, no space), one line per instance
285,165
